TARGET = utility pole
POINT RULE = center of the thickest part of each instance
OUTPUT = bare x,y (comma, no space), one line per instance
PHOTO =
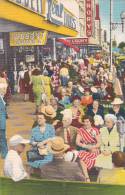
110,36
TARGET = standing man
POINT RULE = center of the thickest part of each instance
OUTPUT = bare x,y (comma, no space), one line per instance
3,141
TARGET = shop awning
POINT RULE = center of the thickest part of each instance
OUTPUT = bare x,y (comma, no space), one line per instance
68,44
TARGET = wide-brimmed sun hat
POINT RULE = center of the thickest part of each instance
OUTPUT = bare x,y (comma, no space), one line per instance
48,111
17,139
57,146
117,101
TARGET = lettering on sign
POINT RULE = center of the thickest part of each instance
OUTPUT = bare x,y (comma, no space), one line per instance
89,14
33,5
57,14
78,41
28,38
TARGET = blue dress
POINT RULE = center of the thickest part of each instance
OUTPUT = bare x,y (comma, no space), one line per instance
37,136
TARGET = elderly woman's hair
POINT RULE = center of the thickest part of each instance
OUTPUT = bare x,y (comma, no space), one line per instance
111,117
90,118
118,159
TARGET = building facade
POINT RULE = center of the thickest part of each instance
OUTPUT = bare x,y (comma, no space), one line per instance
28,28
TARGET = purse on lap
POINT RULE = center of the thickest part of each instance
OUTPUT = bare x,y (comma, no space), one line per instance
34,155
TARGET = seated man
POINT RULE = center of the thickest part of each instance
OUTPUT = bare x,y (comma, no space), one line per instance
67,131
59,169
13,166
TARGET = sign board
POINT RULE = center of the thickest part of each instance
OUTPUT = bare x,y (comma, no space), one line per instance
78,41
30,58
89,18
59,15
28,38
32,5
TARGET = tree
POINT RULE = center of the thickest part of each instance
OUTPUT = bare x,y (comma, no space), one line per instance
121,45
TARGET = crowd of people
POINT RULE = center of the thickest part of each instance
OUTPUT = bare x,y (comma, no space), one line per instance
79,125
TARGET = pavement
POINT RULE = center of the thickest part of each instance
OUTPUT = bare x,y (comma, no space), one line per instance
20,121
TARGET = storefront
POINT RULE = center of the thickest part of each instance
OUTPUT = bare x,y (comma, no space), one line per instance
26,17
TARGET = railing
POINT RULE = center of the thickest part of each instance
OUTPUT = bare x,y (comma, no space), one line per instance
44,187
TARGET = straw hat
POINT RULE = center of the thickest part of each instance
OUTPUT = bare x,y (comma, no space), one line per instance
94,90
58,146
48,111
117,101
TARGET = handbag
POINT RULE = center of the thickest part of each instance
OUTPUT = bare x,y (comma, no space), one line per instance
33,155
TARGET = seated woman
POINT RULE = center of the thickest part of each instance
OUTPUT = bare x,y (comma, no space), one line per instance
77,112
115,175
95,109
42,134
64,100
67,132
69,89
102,91
87,99
117,109
109,142
88,139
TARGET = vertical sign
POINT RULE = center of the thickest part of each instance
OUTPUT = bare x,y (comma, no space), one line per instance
89,14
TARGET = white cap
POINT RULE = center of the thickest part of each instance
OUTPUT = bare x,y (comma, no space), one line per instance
17,139
71,156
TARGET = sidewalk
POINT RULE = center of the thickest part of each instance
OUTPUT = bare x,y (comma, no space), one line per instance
20,120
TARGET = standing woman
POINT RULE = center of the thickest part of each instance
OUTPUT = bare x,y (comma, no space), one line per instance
28,87
3,141
36,80
21,83
88,139
46,83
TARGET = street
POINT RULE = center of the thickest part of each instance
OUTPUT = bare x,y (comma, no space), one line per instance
20,120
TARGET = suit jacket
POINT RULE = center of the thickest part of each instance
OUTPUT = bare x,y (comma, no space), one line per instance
61,170
73,134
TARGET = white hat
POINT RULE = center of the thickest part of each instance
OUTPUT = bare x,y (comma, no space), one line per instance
21,63
81,61
17,139
67,112
94,89
98,120
71,156
117,101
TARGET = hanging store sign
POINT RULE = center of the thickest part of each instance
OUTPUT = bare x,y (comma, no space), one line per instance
89,18
28,38
78,41
33,5
59,15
